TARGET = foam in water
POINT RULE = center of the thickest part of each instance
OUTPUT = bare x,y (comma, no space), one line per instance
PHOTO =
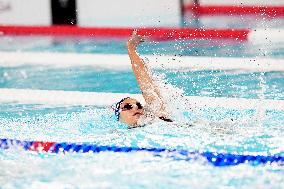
178,105
171,94
177,102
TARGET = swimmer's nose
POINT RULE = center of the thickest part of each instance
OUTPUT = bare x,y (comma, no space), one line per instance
135,107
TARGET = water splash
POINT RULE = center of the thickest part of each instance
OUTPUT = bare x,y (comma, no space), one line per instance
175,99
261,110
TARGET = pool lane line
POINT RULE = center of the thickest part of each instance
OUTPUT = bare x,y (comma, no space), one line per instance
154,33
259,35
216,159
106,100
256,10
122,61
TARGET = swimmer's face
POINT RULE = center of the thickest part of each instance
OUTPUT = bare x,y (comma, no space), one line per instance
130,111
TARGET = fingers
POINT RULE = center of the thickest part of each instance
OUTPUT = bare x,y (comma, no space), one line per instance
142,39
138,37
135,39
134,32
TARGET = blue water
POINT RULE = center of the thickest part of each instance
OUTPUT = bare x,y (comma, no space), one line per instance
197,83
198,47
252,131
221,130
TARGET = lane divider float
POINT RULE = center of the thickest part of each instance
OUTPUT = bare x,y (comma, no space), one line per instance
262,10
122,61
259,35
154,33
216,159
103,99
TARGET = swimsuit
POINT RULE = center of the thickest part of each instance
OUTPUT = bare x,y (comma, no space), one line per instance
149,117
165,119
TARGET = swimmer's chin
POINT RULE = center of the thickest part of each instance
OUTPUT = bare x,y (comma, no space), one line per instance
137,115
135,125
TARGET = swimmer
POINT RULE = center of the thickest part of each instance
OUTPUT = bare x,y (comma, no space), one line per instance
129,110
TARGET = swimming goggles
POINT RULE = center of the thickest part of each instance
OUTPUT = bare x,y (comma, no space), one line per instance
125,107
129,106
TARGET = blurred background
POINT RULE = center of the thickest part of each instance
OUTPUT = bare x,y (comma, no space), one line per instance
135,13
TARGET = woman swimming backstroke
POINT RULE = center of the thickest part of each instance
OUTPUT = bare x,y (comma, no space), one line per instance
129,110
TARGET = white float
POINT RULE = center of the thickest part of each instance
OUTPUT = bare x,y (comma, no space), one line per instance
100,99
122,62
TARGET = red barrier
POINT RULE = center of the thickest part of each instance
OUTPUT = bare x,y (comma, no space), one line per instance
155,33
271,11
41,146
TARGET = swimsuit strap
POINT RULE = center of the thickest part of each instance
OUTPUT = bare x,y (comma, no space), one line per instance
165,119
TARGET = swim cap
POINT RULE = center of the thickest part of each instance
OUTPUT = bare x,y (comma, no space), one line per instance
117,107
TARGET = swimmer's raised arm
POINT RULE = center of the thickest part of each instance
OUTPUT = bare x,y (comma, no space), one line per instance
150,91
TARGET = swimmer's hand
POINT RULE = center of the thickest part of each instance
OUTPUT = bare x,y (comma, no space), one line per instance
135,39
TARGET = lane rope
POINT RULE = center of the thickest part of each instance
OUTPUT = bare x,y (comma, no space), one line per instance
122,61
154,33
259,35
216,159
103,99
264,11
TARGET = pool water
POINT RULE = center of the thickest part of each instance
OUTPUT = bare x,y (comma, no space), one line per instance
221,130
195,83
108,170
197,47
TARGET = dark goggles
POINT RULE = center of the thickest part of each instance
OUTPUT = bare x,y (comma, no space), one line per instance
131,106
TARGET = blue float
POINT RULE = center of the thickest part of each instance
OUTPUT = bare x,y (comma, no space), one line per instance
216,159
